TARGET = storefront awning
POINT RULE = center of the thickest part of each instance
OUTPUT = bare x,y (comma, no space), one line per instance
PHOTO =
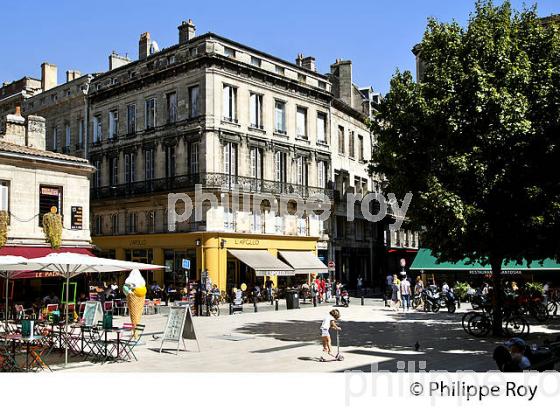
304,262
426,261
31,252
262,262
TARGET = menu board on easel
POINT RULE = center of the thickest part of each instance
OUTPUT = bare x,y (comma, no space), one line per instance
93,313
179,327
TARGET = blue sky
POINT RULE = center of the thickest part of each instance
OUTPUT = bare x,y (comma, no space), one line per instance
377,35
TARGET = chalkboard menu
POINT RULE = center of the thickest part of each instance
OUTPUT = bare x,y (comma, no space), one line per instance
93,313
179,327
77,214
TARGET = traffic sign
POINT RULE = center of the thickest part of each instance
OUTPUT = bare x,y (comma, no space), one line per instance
331,266
186,264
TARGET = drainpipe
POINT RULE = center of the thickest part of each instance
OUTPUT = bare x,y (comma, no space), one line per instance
86,119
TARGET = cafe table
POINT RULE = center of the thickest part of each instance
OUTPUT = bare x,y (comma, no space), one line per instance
117,330
28,341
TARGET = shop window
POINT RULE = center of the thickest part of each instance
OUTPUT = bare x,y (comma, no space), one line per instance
49,197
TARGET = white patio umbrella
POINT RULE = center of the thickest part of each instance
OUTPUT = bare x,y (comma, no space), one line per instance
9,266
68,265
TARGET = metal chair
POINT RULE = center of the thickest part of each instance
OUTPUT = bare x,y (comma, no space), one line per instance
127,346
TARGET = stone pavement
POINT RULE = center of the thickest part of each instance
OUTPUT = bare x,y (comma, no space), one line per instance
289,341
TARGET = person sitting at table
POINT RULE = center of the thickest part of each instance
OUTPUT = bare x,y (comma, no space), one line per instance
51,299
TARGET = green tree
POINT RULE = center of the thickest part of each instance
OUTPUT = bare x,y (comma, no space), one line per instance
477,140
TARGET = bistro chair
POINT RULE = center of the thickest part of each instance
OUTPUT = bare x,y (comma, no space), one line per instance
148,307
38,353
7,360
82,309
108,306
127,345
121,308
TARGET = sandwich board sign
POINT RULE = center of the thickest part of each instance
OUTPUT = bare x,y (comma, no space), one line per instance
93,313
179,327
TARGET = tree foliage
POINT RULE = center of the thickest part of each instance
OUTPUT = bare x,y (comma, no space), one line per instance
477,140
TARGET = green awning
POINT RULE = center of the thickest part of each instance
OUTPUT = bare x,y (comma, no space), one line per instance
426,261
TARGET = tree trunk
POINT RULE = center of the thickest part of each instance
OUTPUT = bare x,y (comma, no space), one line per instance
497,296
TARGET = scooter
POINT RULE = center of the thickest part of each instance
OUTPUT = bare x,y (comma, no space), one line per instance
431,299
344,298
336,358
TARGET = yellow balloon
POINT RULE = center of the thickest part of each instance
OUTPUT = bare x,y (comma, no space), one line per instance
243,287
140,292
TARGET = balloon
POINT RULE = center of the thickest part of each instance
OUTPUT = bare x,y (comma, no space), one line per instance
140,292
243,287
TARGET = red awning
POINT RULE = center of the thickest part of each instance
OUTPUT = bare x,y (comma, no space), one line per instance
31,252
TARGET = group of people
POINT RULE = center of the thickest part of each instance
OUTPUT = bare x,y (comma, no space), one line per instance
400,292
321,290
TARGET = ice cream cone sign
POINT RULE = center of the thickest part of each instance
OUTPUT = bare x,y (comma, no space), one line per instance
135,290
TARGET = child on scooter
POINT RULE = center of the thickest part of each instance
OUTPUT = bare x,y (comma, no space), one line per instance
329,323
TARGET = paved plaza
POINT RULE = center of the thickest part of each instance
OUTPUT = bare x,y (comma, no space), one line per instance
289,341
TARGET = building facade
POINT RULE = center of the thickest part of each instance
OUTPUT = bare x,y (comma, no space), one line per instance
211,112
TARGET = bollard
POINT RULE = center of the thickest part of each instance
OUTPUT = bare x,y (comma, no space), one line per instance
230,309
255,305
362,300
276,306
314,301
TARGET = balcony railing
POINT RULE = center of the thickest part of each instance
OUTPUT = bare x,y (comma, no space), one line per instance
208,181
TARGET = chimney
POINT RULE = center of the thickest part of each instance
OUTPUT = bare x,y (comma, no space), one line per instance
49,73
72,75
309,63
144,46
14,131
341,75
299,59
187,31
36,132
116,60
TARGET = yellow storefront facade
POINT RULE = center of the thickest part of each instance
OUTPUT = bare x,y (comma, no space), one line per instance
206,251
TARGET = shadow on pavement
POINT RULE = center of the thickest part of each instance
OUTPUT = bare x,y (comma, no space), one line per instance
443,344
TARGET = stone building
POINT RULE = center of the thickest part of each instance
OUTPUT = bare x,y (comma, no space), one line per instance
34,181
213,112
12,95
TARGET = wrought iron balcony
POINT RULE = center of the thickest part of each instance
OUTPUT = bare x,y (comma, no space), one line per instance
208,181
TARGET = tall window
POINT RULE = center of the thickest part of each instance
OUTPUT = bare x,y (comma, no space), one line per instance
171,108
322,174
360,147
97,129
280,117
255,105
131,118
301,122
114,171
67,136
230,103
97,175
55,138
301,171
230,161
169,161
129,167
150,121
351,150
229,220
321,127
256,166
4,195
131,222
193,148
194,101
149,164
115,224
341,141
113,124
280,167
80,133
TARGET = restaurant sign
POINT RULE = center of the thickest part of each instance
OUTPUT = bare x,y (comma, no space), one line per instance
488,272
76,217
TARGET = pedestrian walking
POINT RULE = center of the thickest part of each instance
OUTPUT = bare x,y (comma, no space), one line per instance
395,296
405,294
418,289
338,291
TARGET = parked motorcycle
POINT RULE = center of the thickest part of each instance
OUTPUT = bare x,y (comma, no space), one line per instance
431,298
449,301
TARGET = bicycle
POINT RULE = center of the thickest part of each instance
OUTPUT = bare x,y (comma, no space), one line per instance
480,324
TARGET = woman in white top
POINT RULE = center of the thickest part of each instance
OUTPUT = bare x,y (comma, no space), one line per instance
329,323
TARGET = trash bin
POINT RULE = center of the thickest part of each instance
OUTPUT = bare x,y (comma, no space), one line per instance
292,299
